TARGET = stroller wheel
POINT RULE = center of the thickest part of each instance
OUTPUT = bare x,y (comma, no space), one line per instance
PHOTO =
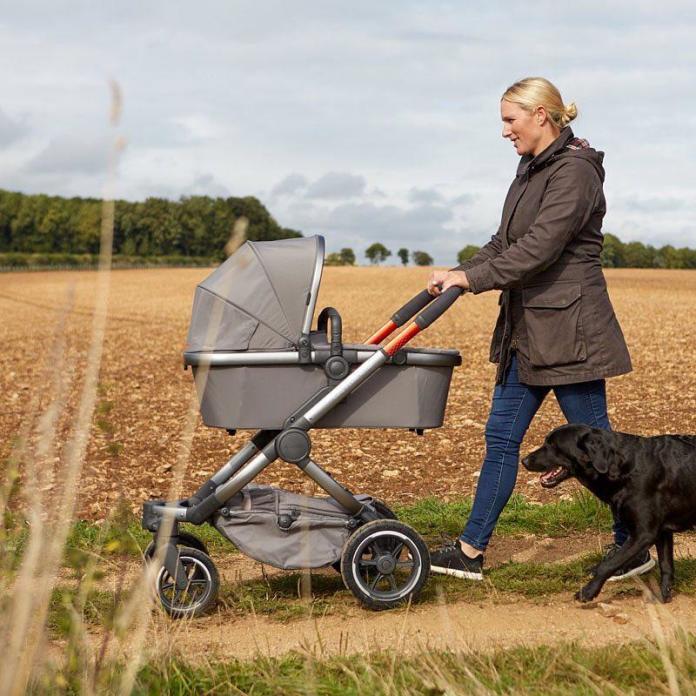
385,511
385,563
185,539
200,593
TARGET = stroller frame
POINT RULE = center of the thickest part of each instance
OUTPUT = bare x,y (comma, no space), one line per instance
292,444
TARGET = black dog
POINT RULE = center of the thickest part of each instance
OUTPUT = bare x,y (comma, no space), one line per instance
649,481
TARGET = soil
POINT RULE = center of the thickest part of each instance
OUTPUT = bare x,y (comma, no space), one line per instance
146,398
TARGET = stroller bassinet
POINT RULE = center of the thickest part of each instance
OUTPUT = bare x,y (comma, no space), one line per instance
250,319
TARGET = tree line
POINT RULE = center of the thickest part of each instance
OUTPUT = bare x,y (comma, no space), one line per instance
618,254
193,226
377,253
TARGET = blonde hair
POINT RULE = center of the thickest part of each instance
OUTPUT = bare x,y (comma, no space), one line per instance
538,91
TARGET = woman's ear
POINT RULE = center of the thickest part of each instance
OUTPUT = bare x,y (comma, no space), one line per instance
540,115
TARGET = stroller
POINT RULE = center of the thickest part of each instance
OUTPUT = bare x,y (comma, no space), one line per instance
258,365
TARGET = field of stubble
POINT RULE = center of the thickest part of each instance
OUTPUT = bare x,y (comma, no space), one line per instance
145,395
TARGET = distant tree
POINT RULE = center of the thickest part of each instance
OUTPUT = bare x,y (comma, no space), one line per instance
422,258
377,252
467,252
669,257
403,255
637,255
612,255
347,256
333,259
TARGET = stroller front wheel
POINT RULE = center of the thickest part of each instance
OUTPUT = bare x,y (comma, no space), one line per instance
202,585
185,539
384,564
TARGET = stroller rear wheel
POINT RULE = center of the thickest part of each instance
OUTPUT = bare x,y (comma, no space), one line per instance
382,509
385,563
202,585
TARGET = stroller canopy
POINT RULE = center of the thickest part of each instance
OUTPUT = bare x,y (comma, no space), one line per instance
261,298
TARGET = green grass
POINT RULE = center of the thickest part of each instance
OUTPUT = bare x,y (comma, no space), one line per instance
564,668
430,517
582,513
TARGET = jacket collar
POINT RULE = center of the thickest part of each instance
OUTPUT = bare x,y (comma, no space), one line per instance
528,164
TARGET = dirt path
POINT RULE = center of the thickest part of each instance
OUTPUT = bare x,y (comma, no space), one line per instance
495,622
460,626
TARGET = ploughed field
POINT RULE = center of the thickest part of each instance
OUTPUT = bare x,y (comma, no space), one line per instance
145,397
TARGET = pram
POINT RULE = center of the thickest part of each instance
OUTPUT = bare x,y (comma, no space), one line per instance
258,365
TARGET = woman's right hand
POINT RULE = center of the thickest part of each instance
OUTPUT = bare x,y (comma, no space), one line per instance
443,280
437,278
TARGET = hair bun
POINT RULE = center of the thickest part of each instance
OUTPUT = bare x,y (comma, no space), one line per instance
569,113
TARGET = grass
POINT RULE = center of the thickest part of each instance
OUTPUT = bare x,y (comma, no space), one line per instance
582,513
430,517
565,668
278,597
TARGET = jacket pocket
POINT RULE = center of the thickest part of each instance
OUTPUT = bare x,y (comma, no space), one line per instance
552,314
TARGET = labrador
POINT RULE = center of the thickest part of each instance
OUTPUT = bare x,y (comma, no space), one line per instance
649,481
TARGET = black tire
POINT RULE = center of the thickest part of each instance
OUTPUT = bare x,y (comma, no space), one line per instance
201,591
185,539
382,509
385,564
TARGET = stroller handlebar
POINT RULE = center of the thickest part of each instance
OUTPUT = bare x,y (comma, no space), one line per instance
412,307
439,307
401,316
424,319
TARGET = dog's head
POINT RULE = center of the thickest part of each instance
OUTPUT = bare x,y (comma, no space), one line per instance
589,454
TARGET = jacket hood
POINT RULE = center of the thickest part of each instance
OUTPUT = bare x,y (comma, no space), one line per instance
565,145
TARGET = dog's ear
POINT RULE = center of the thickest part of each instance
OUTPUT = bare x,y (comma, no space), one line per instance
602,453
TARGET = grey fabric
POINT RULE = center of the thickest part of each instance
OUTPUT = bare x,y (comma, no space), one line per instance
256,299
263,396
314,538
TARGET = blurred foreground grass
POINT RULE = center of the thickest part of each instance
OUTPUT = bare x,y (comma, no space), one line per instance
565,668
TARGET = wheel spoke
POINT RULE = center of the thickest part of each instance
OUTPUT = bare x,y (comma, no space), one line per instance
373,584
392,581
397,551
404,564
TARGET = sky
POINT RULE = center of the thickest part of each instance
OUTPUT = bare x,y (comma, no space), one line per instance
361,121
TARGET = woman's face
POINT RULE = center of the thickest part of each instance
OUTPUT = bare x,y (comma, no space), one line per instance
521,127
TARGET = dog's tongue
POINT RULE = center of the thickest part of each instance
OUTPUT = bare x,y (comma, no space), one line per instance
550,475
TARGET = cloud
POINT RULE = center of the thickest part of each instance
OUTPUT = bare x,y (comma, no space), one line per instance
206,185
403,95
336,185
196,128
10,130
290,184
416,195
70,154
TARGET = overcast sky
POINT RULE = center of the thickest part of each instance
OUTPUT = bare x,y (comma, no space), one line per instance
362,121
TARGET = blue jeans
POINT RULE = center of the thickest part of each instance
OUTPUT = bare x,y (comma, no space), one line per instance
514,405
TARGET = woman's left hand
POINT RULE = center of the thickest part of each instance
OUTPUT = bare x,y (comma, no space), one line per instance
447,279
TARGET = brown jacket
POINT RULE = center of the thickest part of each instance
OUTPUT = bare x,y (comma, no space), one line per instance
555,310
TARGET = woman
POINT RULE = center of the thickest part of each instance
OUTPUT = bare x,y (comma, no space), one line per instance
556,329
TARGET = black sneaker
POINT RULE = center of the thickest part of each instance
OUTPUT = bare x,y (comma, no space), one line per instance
451,560
636,566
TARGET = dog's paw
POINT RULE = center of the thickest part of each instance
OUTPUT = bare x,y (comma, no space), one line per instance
666,594
587,593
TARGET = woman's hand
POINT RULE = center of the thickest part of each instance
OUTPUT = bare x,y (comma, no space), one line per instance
440,281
